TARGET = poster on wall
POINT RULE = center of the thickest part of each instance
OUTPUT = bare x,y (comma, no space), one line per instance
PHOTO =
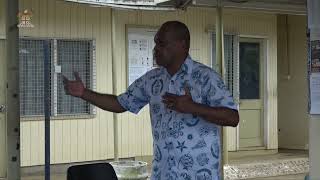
314,79
140,52
315,56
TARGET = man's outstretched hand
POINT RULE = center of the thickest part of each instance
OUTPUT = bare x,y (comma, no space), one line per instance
74,88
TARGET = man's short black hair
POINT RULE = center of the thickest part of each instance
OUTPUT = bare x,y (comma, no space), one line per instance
180,31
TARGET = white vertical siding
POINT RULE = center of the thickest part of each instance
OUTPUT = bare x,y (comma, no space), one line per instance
293,99
76,139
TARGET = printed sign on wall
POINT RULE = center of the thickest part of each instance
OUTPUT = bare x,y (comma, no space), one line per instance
25,19
140,52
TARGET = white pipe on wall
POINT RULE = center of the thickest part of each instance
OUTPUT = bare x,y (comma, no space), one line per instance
221,69
114,85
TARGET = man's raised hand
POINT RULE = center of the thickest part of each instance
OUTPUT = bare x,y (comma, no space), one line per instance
74,88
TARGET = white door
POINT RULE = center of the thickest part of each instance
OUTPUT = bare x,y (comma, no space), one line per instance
251,58
3,79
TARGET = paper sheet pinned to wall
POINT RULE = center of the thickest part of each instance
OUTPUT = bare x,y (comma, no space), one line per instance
315,93
140,53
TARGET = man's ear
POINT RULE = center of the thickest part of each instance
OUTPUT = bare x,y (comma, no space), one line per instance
184,44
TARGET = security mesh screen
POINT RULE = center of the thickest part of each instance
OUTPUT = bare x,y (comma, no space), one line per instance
31,59
73,56
229,59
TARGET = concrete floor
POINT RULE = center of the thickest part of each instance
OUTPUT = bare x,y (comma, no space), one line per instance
290,177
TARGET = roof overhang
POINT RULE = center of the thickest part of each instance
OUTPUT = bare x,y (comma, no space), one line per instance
278,6
128,4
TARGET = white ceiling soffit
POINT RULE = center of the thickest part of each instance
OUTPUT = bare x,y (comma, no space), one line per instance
279,6
128,4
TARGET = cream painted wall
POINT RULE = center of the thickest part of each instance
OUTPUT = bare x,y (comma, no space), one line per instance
76,140
293,93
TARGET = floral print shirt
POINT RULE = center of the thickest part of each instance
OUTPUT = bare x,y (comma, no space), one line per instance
186,147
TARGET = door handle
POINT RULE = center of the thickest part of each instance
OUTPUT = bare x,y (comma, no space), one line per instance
2,108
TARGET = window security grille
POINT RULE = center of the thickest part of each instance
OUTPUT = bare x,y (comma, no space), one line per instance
231,76
31,59
73,56
229,61
66,57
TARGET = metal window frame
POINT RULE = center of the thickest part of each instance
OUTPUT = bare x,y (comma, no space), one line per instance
93,74
54,80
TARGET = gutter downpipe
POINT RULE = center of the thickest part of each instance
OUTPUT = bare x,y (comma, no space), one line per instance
114,88
221,70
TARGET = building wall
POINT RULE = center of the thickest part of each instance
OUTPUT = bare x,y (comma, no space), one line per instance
72,140
92,139
293,85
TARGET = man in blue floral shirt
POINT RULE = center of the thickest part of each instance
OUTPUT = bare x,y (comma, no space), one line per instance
188,105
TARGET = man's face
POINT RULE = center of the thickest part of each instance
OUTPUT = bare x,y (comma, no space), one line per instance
165,50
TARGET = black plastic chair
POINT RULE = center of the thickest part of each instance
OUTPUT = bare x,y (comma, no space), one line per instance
96,171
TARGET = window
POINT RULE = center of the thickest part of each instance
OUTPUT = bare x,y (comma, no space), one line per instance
250,70
65,57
